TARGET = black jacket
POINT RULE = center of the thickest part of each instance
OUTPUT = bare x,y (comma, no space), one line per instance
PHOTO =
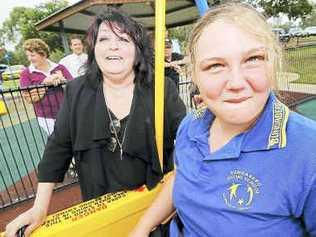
82,130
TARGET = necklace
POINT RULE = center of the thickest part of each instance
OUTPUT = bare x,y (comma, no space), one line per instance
120,144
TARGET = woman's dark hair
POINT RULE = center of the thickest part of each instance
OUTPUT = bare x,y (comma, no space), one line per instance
143,64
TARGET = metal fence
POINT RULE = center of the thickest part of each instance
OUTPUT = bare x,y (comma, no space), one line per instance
22,142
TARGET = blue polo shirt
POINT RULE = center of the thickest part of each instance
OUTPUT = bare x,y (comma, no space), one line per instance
261,183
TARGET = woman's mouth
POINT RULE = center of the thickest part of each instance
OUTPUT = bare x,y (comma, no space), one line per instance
236,100
113,58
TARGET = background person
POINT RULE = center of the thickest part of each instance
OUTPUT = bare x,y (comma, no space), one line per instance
173,63
116,140
42,71
75,62
246,165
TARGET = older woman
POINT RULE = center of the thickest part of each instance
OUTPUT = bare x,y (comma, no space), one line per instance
245,164
106,120
42,71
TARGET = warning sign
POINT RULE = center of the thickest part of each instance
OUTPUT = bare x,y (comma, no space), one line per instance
84,209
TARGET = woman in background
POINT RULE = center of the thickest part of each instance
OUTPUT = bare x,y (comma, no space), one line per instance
42,71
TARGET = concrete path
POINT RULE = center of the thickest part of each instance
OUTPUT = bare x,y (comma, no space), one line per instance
285,83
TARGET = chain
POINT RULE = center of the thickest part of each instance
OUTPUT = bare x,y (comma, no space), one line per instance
114,130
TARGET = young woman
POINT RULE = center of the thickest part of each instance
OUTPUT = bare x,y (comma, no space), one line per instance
245,165
107,120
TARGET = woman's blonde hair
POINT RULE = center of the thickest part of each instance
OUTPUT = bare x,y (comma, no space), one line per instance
249,20
37,46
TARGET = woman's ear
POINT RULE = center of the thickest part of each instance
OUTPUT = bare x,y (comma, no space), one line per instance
198,100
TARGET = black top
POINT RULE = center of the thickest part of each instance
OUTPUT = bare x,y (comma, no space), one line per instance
170,72
82,130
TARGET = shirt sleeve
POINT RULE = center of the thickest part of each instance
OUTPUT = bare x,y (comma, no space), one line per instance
309,213
177,56
66,73
58,150
25,79
62,61
175,107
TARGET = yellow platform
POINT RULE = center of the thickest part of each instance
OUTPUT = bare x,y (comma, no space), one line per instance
113,214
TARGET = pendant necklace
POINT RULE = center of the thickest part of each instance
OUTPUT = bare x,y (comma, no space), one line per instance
117,140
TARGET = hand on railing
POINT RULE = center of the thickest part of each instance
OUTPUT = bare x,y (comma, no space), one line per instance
32,218
54,79
34,95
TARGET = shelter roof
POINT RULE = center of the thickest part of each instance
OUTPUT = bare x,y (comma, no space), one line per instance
77,17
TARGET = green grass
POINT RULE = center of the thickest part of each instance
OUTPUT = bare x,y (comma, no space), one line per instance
302,61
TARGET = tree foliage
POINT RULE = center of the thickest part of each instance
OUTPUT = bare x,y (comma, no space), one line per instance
310,20
21,26
292,8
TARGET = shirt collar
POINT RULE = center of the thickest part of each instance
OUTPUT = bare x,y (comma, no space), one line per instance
269,131
51,67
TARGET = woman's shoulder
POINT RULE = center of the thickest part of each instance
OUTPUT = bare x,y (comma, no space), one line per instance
25,71
298,121
77,85
303,128
77,82
189,120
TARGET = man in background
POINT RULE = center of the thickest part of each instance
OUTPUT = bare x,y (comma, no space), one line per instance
75,61
173,61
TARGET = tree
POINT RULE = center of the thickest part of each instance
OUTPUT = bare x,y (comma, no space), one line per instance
292,8
181,33
310,20
21,26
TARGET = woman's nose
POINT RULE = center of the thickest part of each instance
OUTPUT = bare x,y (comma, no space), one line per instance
236,80
114,44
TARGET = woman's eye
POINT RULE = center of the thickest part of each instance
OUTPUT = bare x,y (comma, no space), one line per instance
255,59
215,67
123,39
103,39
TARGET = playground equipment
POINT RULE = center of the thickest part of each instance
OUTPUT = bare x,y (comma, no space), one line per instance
3,108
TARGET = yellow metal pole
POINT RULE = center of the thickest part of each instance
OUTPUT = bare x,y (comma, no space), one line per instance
160,9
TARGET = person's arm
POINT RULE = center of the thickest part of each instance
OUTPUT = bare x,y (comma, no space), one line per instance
58,151
59,76
66,73
160,210
175,108
36,215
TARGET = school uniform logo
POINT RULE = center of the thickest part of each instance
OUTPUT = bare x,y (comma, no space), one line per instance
242,190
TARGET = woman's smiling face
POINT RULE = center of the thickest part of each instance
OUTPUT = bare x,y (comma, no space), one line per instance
114,52
231,71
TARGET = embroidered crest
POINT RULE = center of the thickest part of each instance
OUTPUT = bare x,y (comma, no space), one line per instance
241,191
